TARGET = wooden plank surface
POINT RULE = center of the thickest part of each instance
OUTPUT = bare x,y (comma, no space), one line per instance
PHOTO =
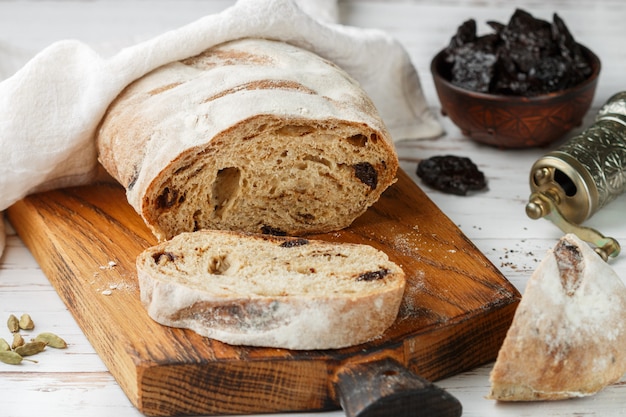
455,313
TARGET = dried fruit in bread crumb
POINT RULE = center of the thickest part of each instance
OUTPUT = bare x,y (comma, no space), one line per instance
292,243
367,174
373,275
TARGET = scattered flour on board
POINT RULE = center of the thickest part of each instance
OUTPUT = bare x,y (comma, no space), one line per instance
110,265
117,285
414,285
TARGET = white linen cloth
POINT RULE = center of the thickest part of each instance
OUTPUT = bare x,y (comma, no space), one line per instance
50,108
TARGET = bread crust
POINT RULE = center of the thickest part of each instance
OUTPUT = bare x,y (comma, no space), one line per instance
568,335
251,135
259,290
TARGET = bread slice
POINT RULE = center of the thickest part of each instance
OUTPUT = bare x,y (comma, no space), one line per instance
568,336
260,290
253,135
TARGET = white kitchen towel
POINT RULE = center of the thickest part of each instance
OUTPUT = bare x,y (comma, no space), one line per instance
50,108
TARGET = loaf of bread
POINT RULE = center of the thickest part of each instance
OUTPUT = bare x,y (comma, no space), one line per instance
568,336
260,290
252,135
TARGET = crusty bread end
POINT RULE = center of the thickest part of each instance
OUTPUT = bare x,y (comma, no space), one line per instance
568,334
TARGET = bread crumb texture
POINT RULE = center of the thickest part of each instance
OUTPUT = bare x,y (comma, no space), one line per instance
262,290
567,337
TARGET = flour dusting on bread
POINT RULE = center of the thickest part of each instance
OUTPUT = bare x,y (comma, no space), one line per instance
568,335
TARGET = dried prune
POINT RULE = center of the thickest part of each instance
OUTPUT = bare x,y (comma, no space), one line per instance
160,257
168,198
451,174
526,57
367,174
274,231
292,243
373,275
472,63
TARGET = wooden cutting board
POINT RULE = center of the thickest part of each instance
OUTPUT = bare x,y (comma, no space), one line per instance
456,310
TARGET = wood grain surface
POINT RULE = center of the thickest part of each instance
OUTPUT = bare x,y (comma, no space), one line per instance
456,310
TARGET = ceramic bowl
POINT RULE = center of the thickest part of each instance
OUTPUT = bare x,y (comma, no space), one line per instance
514,121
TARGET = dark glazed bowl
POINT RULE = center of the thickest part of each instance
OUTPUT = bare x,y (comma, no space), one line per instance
513,121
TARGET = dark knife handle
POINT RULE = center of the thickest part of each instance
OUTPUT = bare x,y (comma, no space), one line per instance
385,388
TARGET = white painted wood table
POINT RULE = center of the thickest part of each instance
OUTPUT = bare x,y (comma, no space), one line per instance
75,381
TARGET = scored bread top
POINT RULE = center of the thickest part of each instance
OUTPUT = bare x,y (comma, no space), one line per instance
210,93
278,291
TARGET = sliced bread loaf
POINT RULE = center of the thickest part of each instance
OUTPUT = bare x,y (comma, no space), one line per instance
249,289
252,135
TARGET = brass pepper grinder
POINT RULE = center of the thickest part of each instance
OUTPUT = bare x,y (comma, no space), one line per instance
576,180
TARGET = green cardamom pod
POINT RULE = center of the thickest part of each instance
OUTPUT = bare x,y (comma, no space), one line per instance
30,348
51,340
10,357
18,341
13,324
26,322
4,345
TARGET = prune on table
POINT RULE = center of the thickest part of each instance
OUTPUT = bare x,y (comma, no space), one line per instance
451,174
525,57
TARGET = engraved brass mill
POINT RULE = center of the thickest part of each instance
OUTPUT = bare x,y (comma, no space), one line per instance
576,180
